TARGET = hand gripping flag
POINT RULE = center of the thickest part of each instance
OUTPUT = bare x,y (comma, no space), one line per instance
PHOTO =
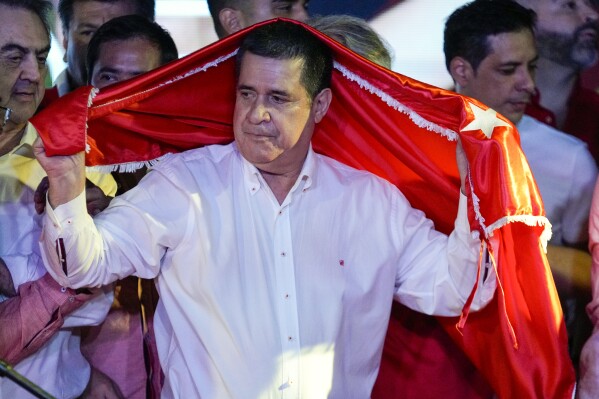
400,129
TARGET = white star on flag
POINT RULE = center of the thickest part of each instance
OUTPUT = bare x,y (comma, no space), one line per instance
484,120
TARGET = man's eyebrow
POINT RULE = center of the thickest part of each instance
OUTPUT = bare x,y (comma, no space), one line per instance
87,25
13,46
107,69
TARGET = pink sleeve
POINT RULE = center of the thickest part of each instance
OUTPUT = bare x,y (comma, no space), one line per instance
593,307
32,317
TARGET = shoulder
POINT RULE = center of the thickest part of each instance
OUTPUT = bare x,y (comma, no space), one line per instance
355,181
545,135
205,156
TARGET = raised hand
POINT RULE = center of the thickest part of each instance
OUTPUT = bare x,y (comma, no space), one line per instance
66,174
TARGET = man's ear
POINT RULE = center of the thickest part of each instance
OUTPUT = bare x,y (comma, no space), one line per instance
461,71
320,104
231,20
65,43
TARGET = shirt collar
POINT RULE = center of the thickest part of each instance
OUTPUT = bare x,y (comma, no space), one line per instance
254,180
25,146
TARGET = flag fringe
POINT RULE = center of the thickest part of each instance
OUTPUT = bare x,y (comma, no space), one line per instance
128,167
393,103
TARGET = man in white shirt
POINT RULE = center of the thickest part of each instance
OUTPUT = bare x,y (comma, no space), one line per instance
276,266
491,55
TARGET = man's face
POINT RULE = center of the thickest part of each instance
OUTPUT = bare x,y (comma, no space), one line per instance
123,59
274,117
88,16
566,32
261,10
24,46
504,80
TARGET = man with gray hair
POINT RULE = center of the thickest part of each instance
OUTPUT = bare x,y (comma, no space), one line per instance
38,318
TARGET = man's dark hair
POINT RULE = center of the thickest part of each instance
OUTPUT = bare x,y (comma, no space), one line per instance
145,8
215,6
468,28
42,8
284,40
130,27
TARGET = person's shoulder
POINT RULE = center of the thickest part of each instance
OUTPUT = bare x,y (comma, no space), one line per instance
210,154
548,135
351,177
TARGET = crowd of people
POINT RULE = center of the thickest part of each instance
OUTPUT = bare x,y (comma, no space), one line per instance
268,270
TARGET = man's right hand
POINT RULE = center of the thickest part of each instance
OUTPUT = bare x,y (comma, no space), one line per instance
66,174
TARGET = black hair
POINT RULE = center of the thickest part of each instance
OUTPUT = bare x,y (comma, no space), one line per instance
285,40
129,27
42,8
145,8
468,28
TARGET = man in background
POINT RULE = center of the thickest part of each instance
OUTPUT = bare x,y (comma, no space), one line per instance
80,19
39,319
491,55
121,49
230,16
566,37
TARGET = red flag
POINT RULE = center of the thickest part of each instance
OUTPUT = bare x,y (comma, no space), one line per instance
398,128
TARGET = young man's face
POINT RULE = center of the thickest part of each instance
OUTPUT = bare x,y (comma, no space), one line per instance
566,32
274,116
504,80
120,60
88,16
24,47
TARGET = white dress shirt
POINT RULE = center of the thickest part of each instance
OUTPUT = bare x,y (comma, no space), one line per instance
58,367
565,172
266,300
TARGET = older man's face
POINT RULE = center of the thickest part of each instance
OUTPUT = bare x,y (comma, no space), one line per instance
24,46
566,32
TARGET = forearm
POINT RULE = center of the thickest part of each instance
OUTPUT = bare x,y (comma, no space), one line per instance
72,247
438,273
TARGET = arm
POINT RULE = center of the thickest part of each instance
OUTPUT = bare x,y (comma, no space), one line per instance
575,218
33,316
130,237
438,272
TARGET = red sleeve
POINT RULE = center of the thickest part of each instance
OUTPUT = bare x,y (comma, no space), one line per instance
31,318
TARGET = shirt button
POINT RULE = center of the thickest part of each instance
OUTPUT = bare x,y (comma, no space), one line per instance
63,289
289,339
286,296
71,299
283,254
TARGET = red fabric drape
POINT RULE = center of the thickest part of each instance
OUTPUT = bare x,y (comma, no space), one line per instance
395,127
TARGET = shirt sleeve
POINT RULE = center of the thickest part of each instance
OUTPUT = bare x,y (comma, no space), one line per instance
437,273
32,317
130,237
576,215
